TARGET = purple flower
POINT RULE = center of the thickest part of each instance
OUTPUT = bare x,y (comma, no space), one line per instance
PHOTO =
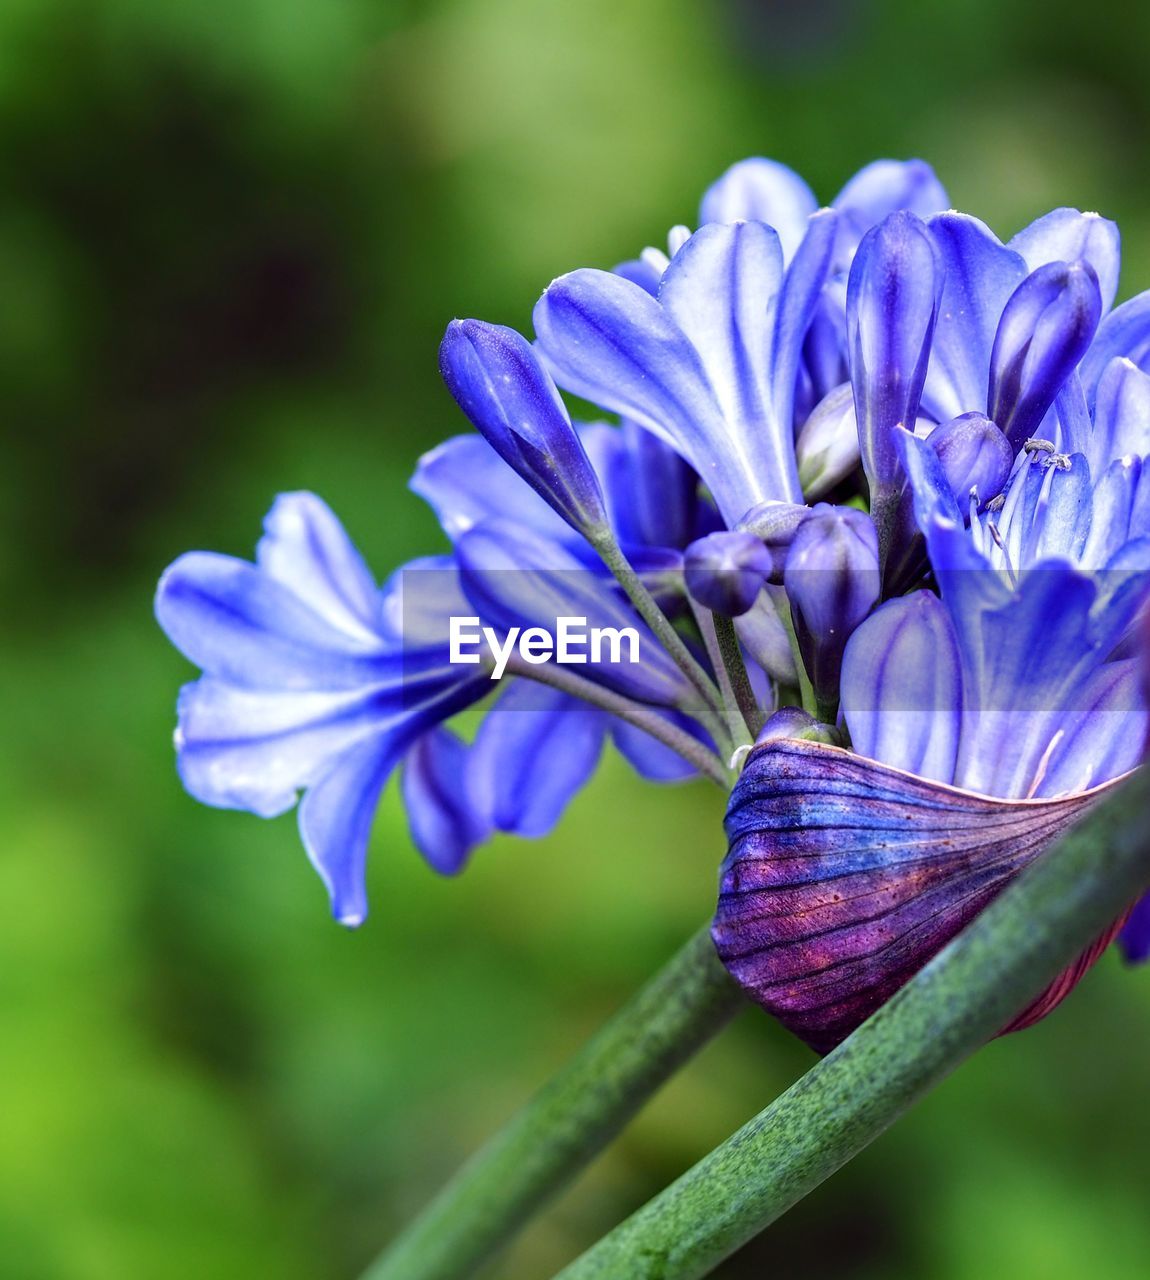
303,689
726,571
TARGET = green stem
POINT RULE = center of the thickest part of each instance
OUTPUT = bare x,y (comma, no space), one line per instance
569,1121
660,624
636,713
806,689
732,663
736,726
961,999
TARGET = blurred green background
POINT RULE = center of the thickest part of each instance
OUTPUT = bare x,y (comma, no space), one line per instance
230,236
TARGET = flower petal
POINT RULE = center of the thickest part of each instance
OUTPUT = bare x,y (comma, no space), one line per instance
498,381
886,186
902,687
535,750
514,578
1124,332
761,190
1104,733
1121,415
256,749
305,548
650,758
979,276
1045,329
335,822
445,820
236,622
1067,235
892,301
463,480
844,877
1135,937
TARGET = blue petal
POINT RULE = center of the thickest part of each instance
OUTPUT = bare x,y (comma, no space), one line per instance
979,277
832,580
892,301
763,635
651,492
513,578
418,601
256,749
640,271
902,687
610,342
711,366
1067,235
445,821
535,750
975,456
802,300
497,379
1124,332
717,291
234,621
335,822
886,186
761,190
465,481
827,446
1120,509
305,548
725,571
1104,733
650,758
1135,936
1121,415
1027,661
1045,330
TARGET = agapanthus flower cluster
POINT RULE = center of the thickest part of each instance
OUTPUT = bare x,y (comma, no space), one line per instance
868,491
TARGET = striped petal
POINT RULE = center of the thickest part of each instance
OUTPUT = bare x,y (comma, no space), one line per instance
845,876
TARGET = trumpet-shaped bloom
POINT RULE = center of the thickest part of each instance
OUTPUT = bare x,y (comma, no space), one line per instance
303,688
960,613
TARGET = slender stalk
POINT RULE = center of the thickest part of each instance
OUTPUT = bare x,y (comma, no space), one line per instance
569,1121
636,713
736,723
660,624
806,690
968,993
731,656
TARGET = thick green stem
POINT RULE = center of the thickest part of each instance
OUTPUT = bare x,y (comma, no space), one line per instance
968,993
569,1121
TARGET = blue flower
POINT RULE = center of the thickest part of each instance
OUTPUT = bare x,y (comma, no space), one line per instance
1004,435
304,689
956,613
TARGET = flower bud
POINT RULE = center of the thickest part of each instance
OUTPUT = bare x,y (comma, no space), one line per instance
792,723
774,524
832,580
892,301
974,454
1045,329
498,381
726,571
827,447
